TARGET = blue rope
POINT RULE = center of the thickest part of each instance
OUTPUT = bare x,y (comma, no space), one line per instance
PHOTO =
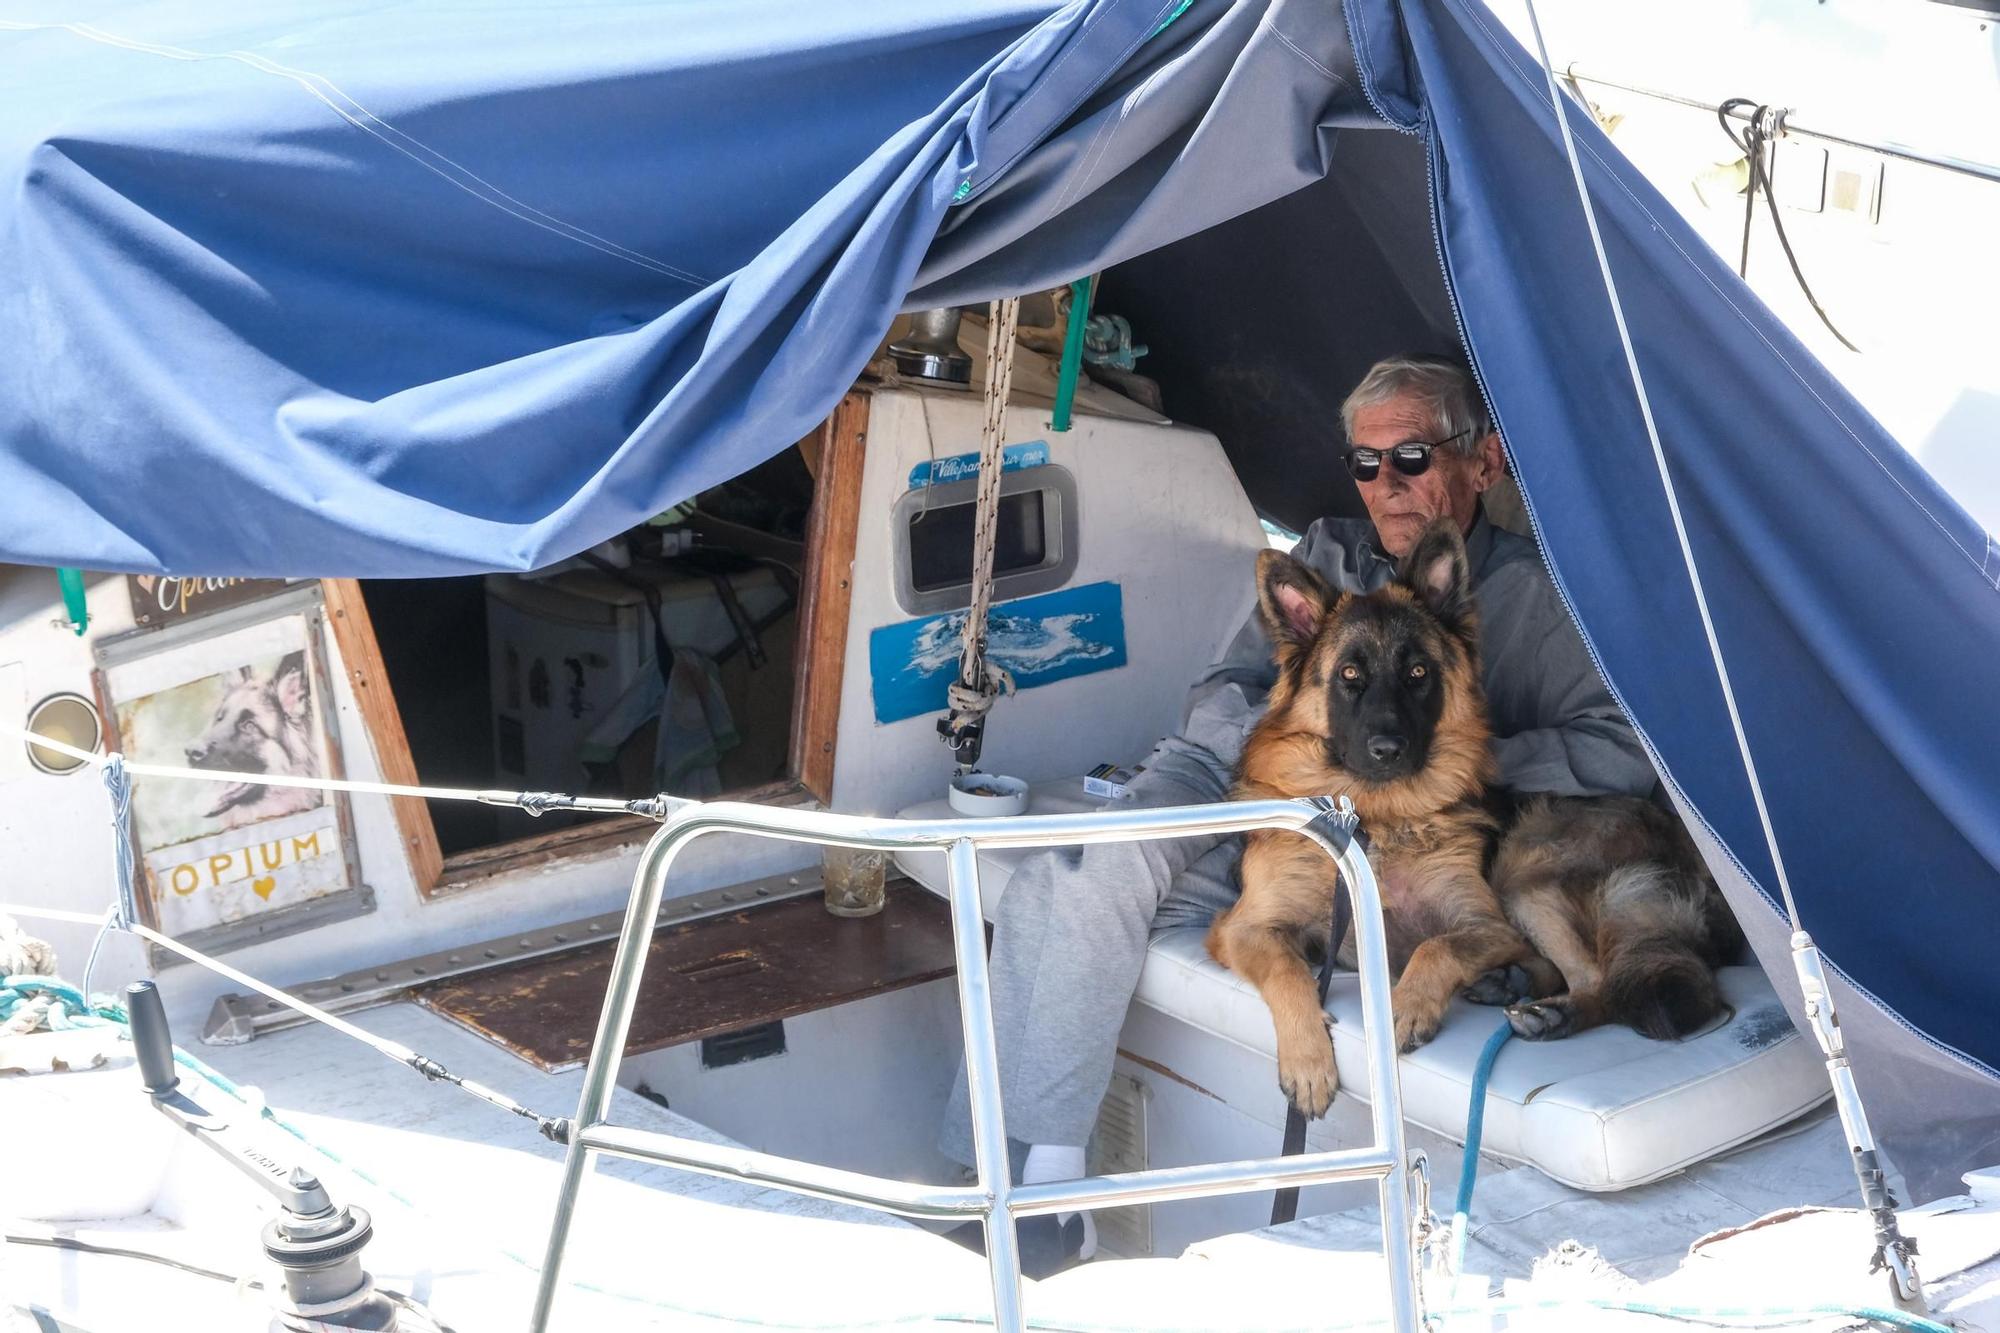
1475,1128
70,1009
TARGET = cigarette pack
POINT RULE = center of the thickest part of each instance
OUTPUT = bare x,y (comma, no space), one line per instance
1110,780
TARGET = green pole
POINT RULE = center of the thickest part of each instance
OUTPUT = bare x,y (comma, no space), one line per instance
73,601
1072,357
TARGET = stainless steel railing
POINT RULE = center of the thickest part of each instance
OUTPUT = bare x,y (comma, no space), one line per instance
995,1198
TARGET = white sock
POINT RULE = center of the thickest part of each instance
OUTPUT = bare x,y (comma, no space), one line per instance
1056,1161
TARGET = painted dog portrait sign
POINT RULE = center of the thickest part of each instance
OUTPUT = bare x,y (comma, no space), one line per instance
239,701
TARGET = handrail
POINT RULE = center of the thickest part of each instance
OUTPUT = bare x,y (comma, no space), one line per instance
995,1198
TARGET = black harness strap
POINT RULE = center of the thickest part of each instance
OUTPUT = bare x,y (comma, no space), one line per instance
1285,1203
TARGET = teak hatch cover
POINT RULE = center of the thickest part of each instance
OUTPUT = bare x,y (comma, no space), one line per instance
706,977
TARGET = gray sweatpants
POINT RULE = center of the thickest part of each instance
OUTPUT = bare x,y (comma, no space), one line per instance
1069,938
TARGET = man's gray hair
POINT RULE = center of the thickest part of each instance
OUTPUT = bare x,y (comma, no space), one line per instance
1441,383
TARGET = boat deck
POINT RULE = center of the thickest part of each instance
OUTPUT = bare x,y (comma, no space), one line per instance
461,1198
462,1195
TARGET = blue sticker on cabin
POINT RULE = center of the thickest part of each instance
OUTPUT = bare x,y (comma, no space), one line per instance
964,467
1041,640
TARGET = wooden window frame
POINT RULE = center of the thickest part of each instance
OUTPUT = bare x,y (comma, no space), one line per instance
834,454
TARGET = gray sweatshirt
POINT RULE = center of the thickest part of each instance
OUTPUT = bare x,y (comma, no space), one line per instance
1555,726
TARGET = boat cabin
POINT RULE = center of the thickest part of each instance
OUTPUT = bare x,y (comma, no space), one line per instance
785,636
812,610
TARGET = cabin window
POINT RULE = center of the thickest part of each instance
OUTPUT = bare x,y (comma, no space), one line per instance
551,682
941,541
1035,549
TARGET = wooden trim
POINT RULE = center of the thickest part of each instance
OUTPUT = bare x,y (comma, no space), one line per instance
605,836
828,593
476,865
361,658
827,597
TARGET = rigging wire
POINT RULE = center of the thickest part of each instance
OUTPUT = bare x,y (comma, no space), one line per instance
535,803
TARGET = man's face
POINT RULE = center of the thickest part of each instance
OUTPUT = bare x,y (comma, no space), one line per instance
1403,506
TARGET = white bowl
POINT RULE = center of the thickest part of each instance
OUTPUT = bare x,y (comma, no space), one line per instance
987,794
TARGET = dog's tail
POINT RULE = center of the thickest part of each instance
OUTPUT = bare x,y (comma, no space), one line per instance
1658,977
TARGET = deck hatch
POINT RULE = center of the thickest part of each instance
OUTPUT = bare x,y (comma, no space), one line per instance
714,977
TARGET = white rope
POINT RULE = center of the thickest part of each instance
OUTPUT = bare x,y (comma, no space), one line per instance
1666,479
118,784
113,917
980,681
22,955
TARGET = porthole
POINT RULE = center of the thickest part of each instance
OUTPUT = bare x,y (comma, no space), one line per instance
69,718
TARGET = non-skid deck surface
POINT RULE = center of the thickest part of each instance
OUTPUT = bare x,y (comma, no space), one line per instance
707,977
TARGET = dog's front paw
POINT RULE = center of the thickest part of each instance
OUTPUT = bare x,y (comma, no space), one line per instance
1306,1072
1417,1021
1542,1020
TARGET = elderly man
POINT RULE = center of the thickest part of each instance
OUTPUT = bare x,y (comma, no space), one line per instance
1073,926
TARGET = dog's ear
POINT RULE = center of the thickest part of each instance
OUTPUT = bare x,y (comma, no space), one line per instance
1437,571
1292,599
289,686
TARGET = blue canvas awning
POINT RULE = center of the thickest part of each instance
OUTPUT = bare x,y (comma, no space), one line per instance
402,290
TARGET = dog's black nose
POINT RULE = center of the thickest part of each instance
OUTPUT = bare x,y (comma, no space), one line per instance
1384,748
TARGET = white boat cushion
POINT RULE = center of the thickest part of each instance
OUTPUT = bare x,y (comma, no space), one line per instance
1605,1110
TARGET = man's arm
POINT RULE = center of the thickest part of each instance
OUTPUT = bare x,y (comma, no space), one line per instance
1567,735
1593,753
1227,699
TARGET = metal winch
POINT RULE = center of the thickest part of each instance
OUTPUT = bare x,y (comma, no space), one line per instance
315,1244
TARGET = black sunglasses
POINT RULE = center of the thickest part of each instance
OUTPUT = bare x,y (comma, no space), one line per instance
1412,458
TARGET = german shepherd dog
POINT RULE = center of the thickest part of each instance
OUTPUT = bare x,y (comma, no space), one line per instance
1611,891
262,725
1378,698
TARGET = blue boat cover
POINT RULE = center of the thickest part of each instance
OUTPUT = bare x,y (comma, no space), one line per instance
416,289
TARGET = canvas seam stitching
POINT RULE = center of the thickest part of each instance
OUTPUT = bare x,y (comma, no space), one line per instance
1093,21
1775,350
518,209
1100,143
1992,567
1302,54
1069,191
1358,23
